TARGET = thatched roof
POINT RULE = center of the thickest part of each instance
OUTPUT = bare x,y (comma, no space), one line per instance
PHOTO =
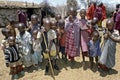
18,4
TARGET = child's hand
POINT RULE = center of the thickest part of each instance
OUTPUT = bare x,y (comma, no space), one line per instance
106,36
109,34
47,50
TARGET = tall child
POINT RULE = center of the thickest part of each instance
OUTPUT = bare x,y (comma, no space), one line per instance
72,27
84,35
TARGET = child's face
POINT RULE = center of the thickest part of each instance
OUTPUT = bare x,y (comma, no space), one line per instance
21,29
95,37
82,14
110,26
47,26
34,21
11,42
35,35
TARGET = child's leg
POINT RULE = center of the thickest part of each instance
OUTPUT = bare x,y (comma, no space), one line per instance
54,62
39,55
91,61
96,59
83,57
47,67
34,60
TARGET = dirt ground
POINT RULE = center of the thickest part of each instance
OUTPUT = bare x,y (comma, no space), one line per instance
66,73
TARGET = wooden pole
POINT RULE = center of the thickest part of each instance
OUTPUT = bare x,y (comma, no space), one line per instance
49,58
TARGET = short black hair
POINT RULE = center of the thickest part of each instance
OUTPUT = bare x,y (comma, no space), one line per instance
5,31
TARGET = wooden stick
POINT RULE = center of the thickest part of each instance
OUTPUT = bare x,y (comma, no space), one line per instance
49,58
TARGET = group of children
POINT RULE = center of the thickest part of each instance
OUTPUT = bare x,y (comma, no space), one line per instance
34,43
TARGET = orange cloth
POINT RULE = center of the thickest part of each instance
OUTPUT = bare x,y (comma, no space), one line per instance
91,12
103,12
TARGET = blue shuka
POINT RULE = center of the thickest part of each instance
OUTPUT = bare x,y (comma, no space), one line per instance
94,48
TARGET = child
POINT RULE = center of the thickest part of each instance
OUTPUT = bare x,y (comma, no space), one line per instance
37,58
12,58
94,48
11,27
49,44
84,35
25,44
34,24
107,59
62,39
6,33
72,28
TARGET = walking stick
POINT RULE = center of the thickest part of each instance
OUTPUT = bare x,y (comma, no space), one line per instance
49,59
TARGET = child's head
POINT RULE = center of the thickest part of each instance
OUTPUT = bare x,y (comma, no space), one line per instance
61,23
110,24
95,35
34,19
83,13
53,24
89,24
46,23
72,11
6,32
21,27
11,40
35,32
57,17
11,22
94,21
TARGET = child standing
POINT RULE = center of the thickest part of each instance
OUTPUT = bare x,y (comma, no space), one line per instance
107,59
36,57
12,59
94,48
25,44
62,36
84,35
49,44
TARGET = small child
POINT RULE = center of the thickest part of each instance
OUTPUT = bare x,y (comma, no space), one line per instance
34,24
62,35
13,59
6,33
36,57
94,48
11,27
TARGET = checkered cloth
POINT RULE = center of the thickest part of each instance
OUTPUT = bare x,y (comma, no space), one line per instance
70,47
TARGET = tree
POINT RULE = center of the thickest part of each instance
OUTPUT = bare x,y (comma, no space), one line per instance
72,3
